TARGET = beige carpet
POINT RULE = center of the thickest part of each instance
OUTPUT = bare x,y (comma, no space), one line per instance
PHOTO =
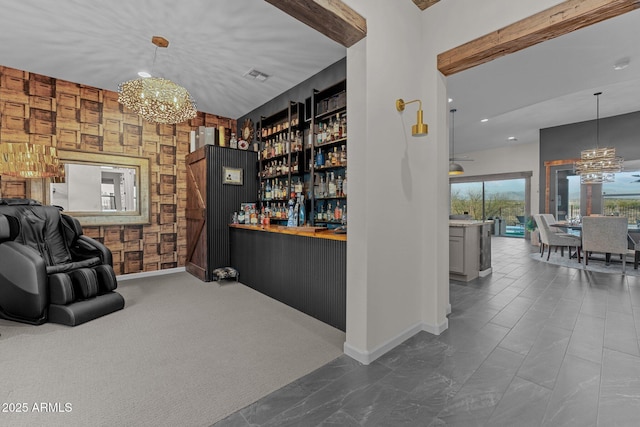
182,352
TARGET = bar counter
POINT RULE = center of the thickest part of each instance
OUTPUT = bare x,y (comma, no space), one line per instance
314,232
303,267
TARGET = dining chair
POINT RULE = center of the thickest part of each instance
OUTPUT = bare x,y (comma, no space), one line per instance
550,238
605,234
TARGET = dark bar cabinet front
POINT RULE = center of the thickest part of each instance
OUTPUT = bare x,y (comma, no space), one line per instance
306,271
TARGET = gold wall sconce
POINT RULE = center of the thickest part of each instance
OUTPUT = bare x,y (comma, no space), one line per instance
419,129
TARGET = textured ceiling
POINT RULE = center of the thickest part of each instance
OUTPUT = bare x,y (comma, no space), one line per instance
212,44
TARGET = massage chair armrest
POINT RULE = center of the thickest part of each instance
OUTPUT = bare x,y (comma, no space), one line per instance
23,283
9,228
86,247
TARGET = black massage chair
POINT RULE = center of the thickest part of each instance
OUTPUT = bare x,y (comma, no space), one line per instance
50,271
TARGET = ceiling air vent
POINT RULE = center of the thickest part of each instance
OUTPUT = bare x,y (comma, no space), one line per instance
254,74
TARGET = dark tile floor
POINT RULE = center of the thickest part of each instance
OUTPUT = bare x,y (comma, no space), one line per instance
532,344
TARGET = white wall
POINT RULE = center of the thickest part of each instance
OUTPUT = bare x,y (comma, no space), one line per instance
397,258
510,158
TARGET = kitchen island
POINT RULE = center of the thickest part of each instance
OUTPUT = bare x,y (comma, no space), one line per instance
469,249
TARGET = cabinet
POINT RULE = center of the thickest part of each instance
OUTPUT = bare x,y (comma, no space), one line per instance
469,249
326,152
281,160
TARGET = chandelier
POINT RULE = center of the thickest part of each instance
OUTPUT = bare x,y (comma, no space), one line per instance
598,165
25,160
156,99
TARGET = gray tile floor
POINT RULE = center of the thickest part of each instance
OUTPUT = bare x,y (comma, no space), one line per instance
532,344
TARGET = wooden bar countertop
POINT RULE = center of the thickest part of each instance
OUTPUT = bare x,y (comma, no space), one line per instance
315,232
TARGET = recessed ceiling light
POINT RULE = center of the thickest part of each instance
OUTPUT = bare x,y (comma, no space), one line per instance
450,100
512,138
144,74
484,120
621,64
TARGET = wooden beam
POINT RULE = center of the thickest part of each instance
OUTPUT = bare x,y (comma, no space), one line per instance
558,20
332,18
423,4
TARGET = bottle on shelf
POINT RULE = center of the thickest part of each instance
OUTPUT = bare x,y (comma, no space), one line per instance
337,213
320,158
233,142
335,157
343,126
333,188
301,212
336,127
323,187
268,194
344,184
343,155
339,184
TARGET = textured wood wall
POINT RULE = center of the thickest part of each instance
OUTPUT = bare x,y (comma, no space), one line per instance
43,110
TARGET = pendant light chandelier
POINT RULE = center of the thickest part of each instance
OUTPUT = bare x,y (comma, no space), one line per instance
156,99
454,168
25,160
598,165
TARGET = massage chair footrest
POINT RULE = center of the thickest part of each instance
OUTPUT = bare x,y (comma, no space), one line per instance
83,311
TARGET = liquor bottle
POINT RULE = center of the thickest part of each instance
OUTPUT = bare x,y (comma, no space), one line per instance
335,157
323,187
339,183
290,213
337,213
330,126
344,184
324,133
329,214
336,127
301,212
343,126
268,191
241,216
319,134
233,142
320,158
343,155
333,189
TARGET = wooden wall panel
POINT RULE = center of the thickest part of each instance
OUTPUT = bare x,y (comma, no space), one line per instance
43,110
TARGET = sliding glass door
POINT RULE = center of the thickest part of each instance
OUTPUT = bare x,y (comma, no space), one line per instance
502,200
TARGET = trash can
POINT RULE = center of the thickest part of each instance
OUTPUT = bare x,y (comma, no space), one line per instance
499,227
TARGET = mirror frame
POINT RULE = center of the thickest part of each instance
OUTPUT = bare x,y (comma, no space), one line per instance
140,164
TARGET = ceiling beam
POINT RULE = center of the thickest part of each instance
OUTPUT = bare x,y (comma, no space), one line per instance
332,18
423,4
558,20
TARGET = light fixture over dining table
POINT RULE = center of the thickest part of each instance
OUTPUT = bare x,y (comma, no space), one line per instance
598,165
156,99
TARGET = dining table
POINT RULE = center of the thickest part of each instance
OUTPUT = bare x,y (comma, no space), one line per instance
633,238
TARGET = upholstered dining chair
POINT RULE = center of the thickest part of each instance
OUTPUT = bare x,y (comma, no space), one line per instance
550,238
605,234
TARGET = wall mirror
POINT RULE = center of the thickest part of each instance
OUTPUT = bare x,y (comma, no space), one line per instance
103,189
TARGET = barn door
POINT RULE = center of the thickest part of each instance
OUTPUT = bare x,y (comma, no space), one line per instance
196,214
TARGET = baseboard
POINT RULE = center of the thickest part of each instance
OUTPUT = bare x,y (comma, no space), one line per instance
366,357
486,272
149,274
437,329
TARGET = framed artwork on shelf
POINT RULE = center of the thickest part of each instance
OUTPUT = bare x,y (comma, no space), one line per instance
231,176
